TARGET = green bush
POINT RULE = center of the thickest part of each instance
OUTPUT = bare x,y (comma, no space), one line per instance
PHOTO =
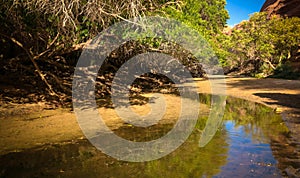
262,44
285,71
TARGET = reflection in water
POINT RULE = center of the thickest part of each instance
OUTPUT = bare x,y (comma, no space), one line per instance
240,148
248,156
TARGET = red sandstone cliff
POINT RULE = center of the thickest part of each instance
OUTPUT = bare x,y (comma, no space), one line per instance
289,8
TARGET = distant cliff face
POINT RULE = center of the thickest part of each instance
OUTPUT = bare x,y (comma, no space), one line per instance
289,8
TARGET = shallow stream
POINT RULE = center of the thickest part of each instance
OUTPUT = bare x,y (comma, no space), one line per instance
251,142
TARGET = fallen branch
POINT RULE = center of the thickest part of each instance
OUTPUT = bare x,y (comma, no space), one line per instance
32,58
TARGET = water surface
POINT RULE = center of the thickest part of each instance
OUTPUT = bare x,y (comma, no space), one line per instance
242,147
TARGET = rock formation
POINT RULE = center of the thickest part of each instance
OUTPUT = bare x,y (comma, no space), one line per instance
288,8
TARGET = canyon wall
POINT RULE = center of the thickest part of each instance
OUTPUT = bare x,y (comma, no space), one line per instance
283,8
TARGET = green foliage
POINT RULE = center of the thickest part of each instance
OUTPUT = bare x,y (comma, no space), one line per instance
262,43
285,71
43,26
207,17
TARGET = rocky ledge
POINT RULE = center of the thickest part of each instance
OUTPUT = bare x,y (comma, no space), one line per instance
289,8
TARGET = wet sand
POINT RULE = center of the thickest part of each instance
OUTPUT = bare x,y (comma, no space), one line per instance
31,125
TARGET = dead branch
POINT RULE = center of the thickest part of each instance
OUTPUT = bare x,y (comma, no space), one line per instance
31,57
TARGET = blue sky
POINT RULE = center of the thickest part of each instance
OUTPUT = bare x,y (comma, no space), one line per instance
240,10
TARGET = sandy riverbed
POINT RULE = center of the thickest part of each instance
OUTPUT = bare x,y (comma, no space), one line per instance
30,125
